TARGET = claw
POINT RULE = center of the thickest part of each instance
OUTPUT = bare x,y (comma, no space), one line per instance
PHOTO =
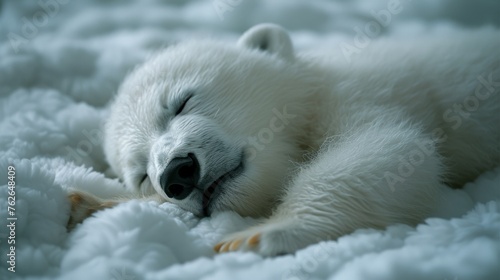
75,199
254,240
235,245
218,246
83,205
225,248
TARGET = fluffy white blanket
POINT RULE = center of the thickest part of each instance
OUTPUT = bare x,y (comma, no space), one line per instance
62,61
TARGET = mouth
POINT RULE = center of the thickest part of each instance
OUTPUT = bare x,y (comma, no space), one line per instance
210,192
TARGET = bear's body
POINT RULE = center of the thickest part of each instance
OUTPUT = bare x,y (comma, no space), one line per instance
447,85
316,144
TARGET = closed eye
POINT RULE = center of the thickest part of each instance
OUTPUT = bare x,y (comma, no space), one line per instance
179,110
143,179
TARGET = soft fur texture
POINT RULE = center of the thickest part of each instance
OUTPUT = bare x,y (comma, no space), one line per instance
327,145
54,91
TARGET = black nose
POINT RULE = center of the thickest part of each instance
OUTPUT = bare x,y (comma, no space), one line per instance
180,176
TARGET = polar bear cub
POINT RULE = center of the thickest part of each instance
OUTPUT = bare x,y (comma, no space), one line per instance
317,145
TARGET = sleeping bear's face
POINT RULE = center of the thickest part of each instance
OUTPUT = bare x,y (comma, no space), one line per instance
212,127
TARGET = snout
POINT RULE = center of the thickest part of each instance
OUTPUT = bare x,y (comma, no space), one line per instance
180,176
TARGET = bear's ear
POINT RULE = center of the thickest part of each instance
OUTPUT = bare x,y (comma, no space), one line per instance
270,38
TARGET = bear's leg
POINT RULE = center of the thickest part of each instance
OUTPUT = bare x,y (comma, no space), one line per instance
84,204
373,177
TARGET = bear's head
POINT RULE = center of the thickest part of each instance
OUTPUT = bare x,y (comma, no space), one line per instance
212,126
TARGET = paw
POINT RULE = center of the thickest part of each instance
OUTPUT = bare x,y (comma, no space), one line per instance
267,240
242,240
83,205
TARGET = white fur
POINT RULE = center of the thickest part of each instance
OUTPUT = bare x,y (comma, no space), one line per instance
366,144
